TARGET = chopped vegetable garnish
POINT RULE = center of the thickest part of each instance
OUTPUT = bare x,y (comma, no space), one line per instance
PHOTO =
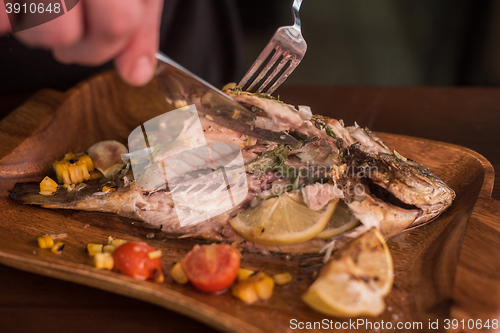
109,248
118,242
257,287
108,189
45,242
178,274
48,186
103,260
154,254
72,170
93,249
57,248
282,279
244,274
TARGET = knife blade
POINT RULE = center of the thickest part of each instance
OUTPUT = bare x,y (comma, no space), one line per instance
181,87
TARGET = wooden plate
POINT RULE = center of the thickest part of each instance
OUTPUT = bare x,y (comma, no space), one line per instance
53,123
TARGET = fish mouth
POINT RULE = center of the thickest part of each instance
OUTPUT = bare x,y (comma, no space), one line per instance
385,195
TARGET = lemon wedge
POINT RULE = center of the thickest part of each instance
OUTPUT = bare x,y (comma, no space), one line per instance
356,280
342,220
283,220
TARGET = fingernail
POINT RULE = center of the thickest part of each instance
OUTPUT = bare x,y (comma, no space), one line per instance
142,71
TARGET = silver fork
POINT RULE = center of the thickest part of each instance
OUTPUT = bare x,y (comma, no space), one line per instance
279,58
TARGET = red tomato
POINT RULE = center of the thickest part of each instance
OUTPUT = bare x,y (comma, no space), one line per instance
132,259
213,267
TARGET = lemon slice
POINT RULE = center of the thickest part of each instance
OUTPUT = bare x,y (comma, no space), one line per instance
355,282
283,220
342,220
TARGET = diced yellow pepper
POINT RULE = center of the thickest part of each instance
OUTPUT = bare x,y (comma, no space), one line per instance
264,286
154,254
245,292
71,171
104,260
258,286
45,242
178,274
94,249
244,273
117,242
69,156
282,279
88,162
48,186
108,248
95,175
108,188
57,248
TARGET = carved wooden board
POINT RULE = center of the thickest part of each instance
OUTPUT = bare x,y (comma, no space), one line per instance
53,123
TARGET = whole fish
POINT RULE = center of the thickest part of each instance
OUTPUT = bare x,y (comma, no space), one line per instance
382,188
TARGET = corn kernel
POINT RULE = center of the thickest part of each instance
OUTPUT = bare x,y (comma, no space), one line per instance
108,188
244,273
95,175
48,186
69,171
117,242
45,242
88,162
258,286
245,292
57,248
109,248
264,287
69,156
83,169
154,254
282,279
178,274
103,261
94,249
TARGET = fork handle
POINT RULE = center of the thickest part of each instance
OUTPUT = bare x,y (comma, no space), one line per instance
295,11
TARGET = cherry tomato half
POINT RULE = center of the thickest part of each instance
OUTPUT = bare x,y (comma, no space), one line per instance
212,268
132,259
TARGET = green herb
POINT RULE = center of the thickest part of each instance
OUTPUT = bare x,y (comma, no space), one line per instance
269,161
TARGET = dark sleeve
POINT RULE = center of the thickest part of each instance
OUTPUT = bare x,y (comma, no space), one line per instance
203,35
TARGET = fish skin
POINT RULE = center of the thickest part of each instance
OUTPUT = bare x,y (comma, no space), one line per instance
397,193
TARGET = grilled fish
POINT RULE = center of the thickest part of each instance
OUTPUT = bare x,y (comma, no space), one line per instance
382,188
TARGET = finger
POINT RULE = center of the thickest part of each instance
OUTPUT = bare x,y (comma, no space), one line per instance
110,24
4,20
137,62
63,31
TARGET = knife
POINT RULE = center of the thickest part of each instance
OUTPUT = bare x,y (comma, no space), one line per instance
182,87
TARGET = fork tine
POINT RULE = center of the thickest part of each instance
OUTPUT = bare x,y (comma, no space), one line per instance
263,73
295,62
268,50
275,75
289,48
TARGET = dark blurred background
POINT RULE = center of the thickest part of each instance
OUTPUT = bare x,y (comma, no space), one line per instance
350,42
386,42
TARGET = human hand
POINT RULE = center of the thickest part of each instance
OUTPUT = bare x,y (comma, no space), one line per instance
96,31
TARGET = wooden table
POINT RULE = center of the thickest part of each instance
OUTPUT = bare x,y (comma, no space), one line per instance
466,116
